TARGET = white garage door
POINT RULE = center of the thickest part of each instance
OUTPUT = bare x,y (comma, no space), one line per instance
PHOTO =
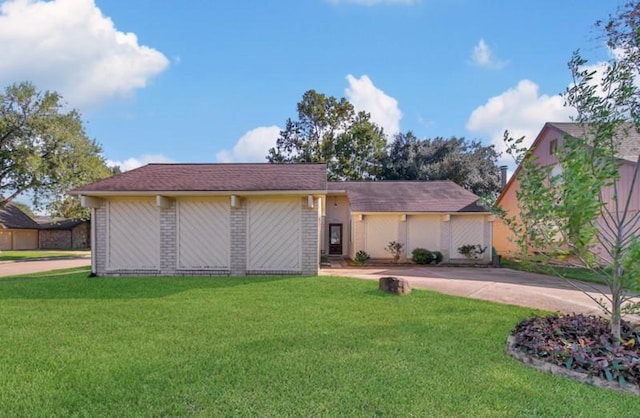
134,235
203,234
274,235
378,232
466,230
423,231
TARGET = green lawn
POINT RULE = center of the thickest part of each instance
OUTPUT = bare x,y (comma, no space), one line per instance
28,255
314,346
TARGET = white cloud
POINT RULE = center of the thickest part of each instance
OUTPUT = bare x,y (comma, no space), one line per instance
521,110
69,46
482,56
253,146
375,2
383,108
131,163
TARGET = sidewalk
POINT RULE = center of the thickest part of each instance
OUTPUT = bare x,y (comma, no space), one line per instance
15,268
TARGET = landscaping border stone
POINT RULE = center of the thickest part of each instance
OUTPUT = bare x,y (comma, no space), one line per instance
564,372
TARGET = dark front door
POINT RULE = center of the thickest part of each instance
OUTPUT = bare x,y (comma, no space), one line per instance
335,239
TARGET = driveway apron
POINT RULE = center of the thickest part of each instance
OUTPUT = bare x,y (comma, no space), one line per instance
494,284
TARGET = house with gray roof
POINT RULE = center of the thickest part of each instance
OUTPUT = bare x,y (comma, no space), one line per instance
241,219
17,230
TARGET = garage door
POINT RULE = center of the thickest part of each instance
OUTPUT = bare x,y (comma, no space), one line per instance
25,239
423,232
379,231
465,230
203,234
274,235
134,235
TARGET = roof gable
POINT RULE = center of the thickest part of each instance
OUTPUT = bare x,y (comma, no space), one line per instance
12,217
214,178
629,144
407,196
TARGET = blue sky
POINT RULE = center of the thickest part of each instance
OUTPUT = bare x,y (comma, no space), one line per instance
213,81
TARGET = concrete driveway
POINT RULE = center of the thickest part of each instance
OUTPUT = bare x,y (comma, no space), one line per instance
494,284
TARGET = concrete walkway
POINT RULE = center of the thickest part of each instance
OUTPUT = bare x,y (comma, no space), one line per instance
15,268
494,284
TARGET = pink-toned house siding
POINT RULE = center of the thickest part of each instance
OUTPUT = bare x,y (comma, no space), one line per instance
542,149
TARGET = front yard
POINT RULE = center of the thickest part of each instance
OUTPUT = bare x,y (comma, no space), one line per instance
317,346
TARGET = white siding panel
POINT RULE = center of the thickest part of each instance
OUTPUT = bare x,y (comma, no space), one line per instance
423,232
134,235
466,230
203,234
274,235
378,232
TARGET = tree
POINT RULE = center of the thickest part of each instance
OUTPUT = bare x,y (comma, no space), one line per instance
330,131
467,163
43,149
586,212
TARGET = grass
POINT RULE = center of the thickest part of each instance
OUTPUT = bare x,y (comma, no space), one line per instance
576,273
287,346
29,255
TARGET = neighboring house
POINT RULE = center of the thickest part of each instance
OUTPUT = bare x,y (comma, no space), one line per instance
435,215
237,219
544,148
17,230
63,233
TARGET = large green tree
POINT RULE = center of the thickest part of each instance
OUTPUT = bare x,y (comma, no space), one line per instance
44,149
586,210
330,131
467,163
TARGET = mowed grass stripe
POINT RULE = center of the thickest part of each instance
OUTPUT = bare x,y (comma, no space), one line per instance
269,346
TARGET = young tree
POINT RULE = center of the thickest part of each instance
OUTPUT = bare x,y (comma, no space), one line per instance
43,149
329,130
467,163
586,211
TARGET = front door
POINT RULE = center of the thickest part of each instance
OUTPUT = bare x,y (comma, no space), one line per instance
335,239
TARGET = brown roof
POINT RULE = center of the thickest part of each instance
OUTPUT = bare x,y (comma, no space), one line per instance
47,222
629,145
407,196
214,177
12,217
628,137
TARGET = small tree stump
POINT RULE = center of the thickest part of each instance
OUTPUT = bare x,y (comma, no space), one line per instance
394,285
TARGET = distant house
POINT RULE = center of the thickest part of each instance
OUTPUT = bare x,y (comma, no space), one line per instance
544,148
238,219
17,230
63,233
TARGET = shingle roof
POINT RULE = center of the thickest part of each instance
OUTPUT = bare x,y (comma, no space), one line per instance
214,177
12,217
407,196
47,222
629,146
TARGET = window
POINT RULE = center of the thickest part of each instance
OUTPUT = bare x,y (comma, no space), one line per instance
553,147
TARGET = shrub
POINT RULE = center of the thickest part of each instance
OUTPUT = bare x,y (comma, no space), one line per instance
421,256
361,257
582,343
437,257
472,252
395,249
